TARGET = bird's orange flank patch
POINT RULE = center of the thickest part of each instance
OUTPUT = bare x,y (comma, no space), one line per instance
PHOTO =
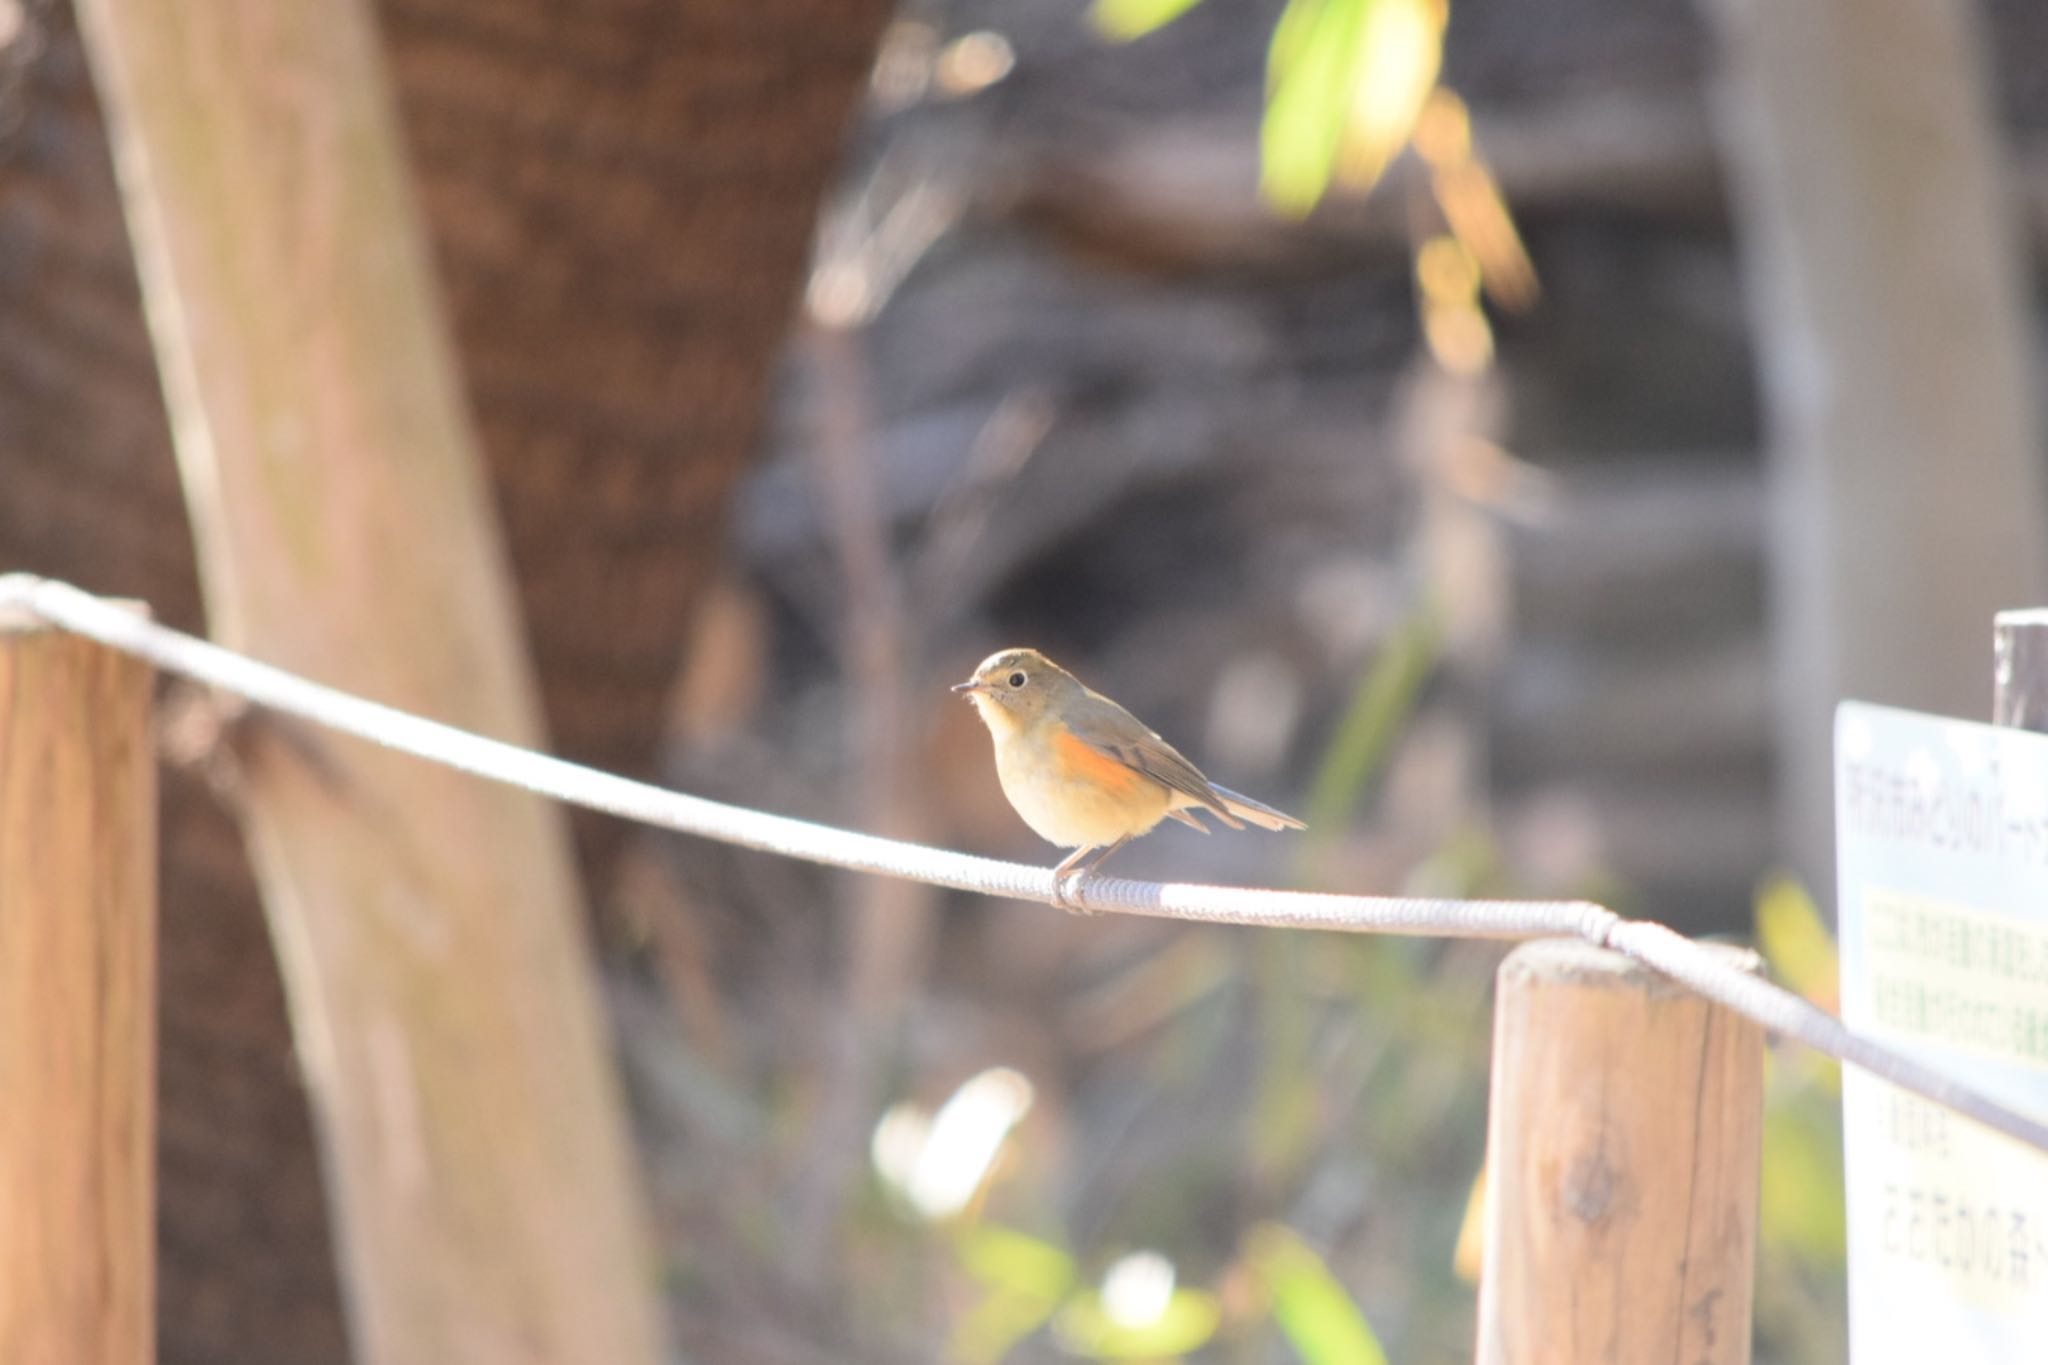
1083,762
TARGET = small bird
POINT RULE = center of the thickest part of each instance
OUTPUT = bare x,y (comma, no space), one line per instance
1083,772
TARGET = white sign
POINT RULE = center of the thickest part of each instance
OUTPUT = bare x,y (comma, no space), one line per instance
1941,828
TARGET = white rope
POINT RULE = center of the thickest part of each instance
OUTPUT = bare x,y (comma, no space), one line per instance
122,628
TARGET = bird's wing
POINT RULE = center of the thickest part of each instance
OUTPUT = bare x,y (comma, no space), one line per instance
1109,729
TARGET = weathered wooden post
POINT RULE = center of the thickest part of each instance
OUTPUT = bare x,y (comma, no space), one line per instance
430,927
77,1002
1623,1144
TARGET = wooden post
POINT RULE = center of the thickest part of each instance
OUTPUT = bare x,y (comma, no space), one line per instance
2019,696
430,927
1624,1141
77,1002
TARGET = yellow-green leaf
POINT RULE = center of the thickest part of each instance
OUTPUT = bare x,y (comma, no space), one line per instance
1296,23
1005,1258
1321,1320
1124,20
1381,704
1187,1321
1802,1204
1345,82
1309,70
1026,1278
1796,942
1400,51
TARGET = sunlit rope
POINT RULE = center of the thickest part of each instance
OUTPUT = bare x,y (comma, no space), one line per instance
1690,964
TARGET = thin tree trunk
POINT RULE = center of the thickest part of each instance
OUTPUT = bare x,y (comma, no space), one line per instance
621,194
1889,305
429,925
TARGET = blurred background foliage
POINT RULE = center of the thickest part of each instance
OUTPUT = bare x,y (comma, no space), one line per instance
1197,345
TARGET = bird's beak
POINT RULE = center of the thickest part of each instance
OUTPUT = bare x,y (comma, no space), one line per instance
971,685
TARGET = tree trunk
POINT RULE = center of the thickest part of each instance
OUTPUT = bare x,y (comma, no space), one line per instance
435,948
621,195
1888,301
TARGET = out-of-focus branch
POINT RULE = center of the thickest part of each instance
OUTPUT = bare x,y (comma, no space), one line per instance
1888,305
889,936
431,933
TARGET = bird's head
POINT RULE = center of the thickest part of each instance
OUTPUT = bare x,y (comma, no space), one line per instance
1013,687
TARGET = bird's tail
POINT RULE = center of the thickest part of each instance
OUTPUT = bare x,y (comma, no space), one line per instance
1258,812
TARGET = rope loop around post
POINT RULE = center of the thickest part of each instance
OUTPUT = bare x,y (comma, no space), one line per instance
1597,925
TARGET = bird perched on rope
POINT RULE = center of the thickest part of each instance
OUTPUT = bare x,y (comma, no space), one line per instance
1085,773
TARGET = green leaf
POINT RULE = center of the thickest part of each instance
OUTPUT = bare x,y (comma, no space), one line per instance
1802,1205
1796,942
1345,82
1309,71
1123,20
1296,22
1321,1320
1399,51
1004,1258
1384,700
1187,1322
1026,1278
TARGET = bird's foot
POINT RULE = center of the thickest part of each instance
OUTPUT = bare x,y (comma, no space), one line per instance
1080,865
1065,886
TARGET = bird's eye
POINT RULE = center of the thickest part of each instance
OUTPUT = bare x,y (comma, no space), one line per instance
1018,679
